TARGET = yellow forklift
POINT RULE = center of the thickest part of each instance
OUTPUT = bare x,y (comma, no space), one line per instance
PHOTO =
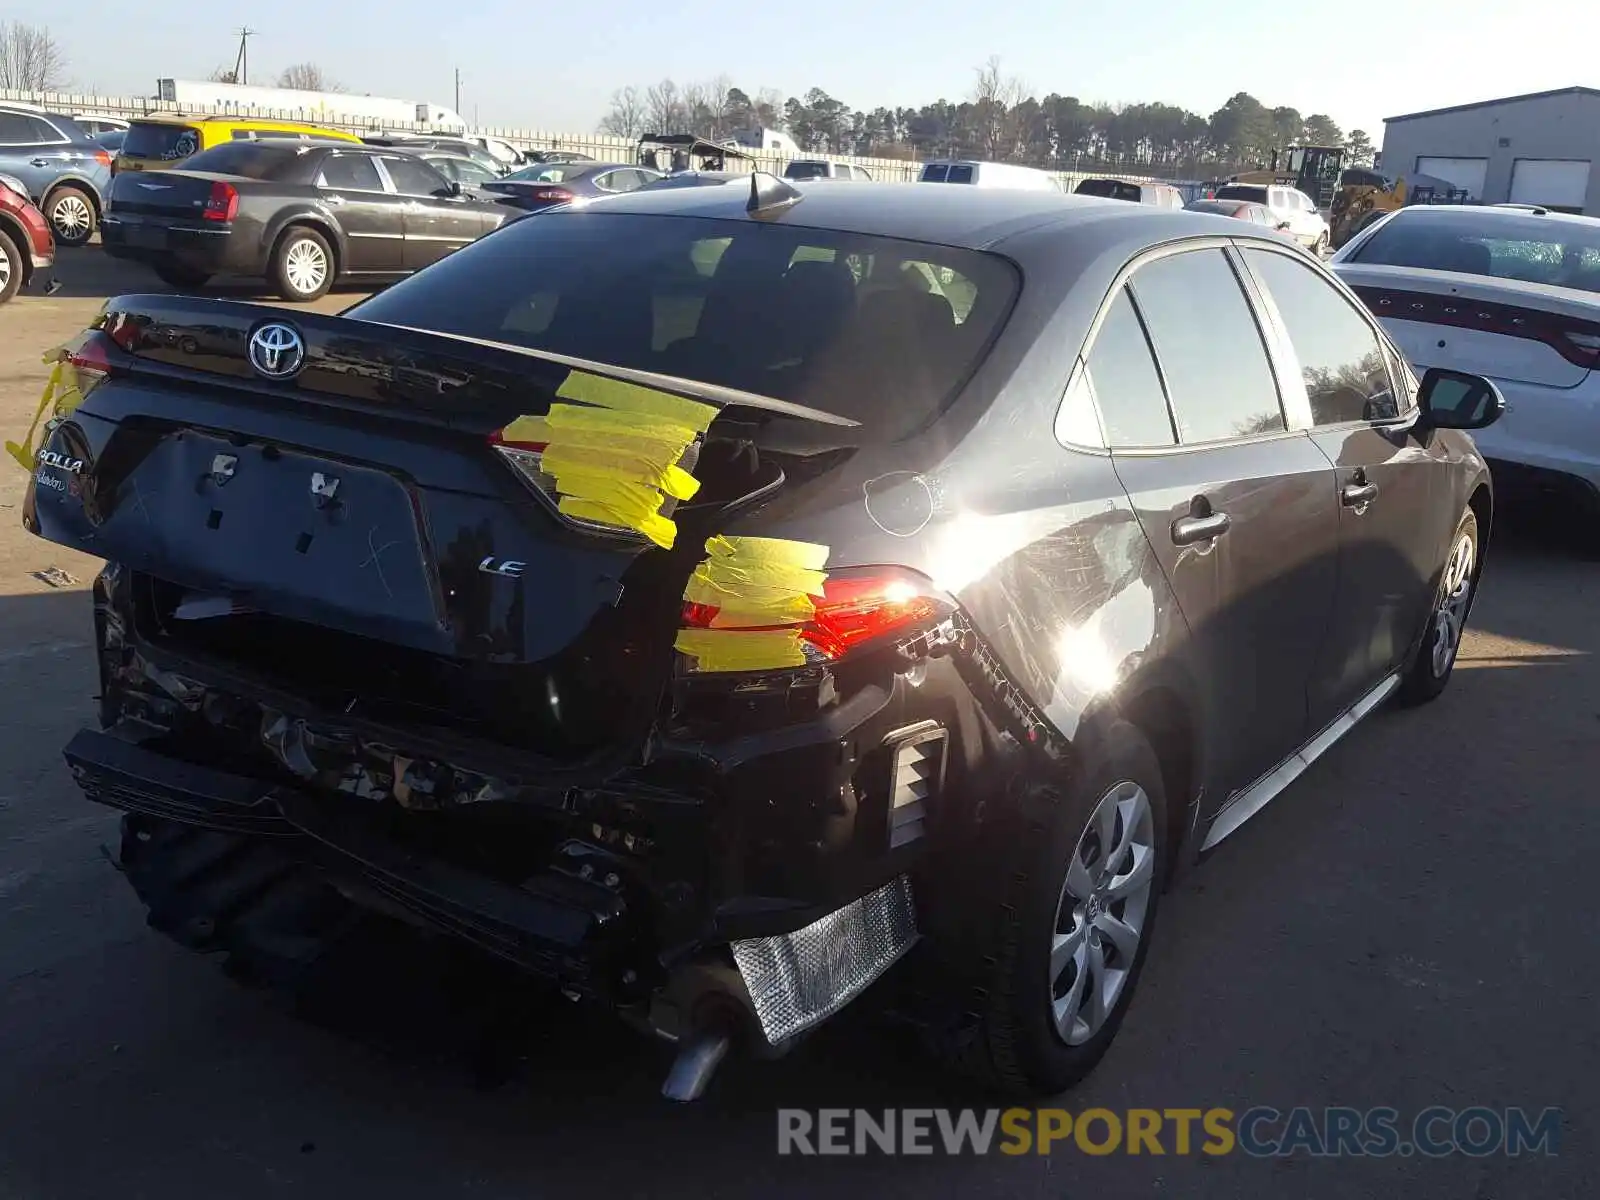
1366,194
1313,170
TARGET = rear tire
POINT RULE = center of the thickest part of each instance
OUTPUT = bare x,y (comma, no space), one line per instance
302,265
70,212
179,276
12,267
1038,1030
1429,673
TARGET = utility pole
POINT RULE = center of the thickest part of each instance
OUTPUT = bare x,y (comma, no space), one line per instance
241,64
458,90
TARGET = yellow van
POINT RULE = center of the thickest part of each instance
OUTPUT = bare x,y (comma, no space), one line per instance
163,141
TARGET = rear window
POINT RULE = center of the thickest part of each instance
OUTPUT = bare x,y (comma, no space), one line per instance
806,170
1110,189
544,174
876,329
251,160
1531,249
1254,193
159,140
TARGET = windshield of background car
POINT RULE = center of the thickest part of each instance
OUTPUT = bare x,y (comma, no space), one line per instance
1531,249
1110,189
801,170
251,160
1243,191
161,141
875,329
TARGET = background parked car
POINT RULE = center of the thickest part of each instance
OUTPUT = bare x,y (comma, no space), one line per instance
95,124
547,184
555,156
687,179
1306,224
460,147
65,170
988,174
164,141
1243,210
26,244
302,215
471,174
1508,293
822,168
112,140
1160,195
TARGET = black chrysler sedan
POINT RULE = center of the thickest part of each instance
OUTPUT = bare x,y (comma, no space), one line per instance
710,598
303,214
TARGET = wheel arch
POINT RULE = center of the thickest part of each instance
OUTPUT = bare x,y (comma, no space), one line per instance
13,229
82,184
1167,722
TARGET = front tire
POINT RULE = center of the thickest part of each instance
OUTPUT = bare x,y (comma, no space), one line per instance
302,265
12,267
1072,934
70,212
1429,673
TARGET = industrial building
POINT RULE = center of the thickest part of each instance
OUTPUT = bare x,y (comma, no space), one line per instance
1533,149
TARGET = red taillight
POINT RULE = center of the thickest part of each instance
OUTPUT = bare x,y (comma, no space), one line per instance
223,203
1575,339
103,157
554,195
90,358
857,608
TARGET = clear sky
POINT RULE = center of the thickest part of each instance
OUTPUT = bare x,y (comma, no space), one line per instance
553,66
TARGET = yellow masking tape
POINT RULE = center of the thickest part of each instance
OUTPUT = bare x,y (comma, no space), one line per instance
753,583
60,396
657,528
634,398
732,650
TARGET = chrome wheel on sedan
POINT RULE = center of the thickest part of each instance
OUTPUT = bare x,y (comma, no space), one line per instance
1100,918
306,266
1455,596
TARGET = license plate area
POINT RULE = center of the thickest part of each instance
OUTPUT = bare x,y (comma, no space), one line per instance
266,522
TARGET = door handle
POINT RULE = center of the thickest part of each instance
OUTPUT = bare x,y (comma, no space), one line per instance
1188,530
1355,495
39,162
334,200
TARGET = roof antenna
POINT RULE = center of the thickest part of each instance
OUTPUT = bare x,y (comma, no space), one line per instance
770,195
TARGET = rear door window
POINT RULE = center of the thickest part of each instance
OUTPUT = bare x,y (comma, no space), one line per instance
935,173
352,172
1210,348
1341,359
876,329
1122,377
413,177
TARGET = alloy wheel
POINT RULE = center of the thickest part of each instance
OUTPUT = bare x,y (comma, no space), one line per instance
306,266
1455,592
72,217
1101,915
5,271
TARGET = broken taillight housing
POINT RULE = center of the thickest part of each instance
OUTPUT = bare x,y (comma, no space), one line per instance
860,609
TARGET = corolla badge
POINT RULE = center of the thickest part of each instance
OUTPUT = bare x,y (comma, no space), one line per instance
277,351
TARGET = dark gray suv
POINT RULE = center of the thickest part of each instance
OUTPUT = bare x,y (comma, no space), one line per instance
706,598
67,173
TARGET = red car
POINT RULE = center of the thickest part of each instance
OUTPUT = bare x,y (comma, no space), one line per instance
26,244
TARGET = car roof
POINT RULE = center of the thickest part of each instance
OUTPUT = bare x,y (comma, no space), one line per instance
1464,214
975,218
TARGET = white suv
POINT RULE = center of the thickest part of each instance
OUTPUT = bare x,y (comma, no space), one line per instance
1306,224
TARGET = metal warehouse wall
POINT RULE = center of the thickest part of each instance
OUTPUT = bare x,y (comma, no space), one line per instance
1552,127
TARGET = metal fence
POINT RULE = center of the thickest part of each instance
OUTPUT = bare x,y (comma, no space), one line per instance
598,145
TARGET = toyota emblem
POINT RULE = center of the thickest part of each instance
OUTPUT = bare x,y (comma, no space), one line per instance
277,351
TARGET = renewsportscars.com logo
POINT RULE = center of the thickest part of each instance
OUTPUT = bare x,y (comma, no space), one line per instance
1259,1132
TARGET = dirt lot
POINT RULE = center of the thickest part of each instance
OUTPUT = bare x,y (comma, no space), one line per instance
1411,925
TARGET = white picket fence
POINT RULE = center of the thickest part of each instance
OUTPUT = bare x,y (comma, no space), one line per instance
598,145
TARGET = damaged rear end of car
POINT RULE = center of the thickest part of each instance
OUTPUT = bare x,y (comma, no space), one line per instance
511,644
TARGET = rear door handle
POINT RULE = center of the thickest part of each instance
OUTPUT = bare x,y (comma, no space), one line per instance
1188,530
334,200
39,162
1355,495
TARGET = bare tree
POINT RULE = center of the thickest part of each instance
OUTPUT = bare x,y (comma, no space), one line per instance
627,115
995,97
714,98
664,108
31,60
307,77
223,75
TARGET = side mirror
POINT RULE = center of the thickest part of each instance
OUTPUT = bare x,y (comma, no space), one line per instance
454,187
1458,400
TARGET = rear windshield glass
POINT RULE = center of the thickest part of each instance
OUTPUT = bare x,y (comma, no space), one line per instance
1532,249
935,173
1254,193
1111,189
158,140
876,329
804,170
253,161
540,173
1228,208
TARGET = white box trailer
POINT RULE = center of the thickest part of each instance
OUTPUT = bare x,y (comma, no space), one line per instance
246,99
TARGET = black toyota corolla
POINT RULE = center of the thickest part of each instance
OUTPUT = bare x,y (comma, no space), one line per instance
706,597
